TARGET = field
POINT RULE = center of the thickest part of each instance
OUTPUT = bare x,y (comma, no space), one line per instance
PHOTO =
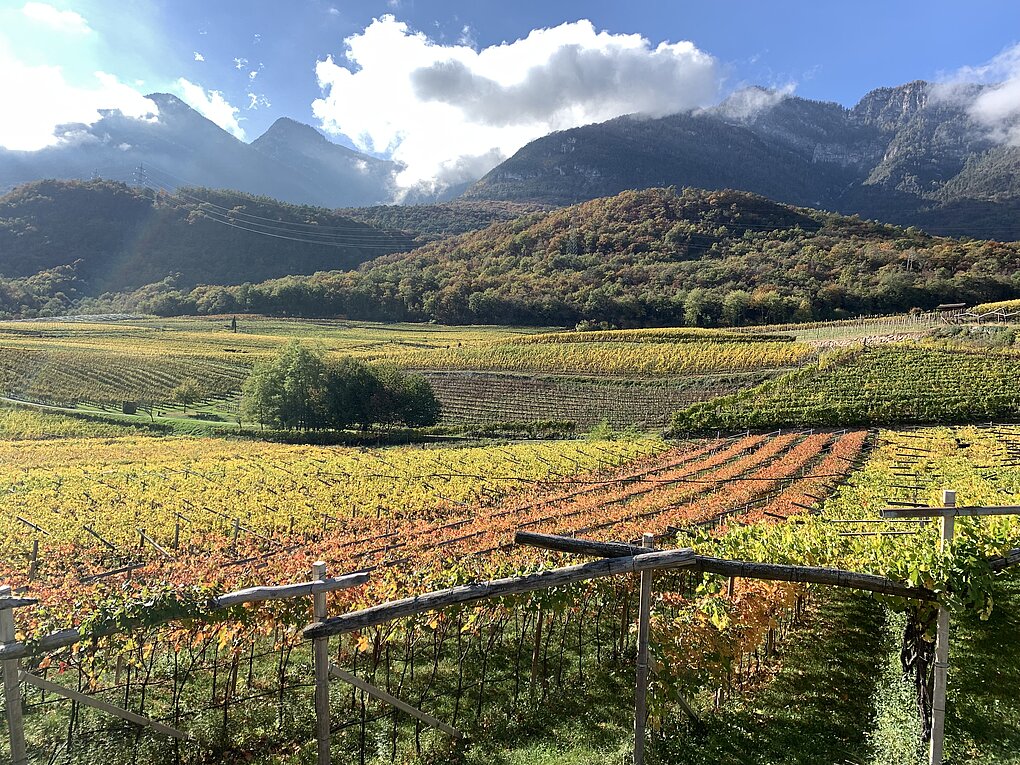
128,531
481,374
107,362
893,383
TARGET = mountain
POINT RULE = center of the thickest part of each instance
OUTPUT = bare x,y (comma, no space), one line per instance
344,176
644,258
180,147
115,237
909,155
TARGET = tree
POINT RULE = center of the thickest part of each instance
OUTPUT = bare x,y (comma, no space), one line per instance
186,393
404,397
420,407
350,388
735,307
298,389
287,391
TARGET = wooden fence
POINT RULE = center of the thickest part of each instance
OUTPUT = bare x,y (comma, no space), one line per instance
613,559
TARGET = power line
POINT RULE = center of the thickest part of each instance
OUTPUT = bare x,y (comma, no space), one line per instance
258,228
177,183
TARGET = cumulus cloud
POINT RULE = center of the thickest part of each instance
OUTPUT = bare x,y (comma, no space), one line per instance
450,112
990,93
38,104
199,56
212,105
63,21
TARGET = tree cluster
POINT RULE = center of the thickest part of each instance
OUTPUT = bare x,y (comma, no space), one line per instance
301,390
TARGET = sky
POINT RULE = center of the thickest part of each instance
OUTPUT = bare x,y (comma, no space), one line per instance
451,87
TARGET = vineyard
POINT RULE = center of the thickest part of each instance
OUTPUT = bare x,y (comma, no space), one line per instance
461,529
126,531
140,561
481,374
476,398
143,359
885,384
650,357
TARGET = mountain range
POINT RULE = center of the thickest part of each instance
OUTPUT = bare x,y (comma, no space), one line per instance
911,155
179,147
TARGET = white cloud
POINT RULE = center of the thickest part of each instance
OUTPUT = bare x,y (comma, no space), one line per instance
199,56
64,21
37,101
256,100
990,93
240,63
212,105
449,110
747,103
334,11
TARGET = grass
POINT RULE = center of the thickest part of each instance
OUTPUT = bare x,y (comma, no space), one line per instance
816,710
983,716
838,695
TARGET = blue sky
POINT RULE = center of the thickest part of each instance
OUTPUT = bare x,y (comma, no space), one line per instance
244,64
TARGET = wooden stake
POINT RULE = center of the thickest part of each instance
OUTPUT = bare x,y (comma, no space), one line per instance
938,698
101,705
641,687
382,695
33,561
320,650
12,688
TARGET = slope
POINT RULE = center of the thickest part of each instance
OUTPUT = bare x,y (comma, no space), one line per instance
655,257
118,237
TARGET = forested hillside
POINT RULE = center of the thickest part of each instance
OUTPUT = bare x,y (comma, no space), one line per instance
105,236
428,223
649,257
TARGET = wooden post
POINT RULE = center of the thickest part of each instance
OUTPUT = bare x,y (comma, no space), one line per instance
12,687
641,686
938,700
33,561
237,531
320,650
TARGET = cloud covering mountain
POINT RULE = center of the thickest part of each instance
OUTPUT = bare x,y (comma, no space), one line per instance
450,110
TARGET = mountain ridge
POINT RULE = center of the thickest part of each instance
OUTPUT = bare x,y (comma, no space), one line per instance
901,154
181,147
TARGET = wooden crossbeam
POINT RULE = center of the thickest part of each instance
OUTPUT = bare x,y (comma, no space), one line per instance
284,591
68,637
403,706
103,706
943,512
469,593
743,569
8,603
